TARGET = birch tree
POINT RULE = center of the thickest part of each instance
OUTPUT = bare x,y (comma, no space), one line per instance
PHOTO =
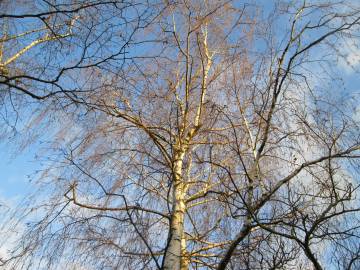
193,135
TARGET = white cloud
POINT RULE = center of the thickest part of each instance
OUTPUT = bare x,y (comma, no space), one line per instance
350,59
356,115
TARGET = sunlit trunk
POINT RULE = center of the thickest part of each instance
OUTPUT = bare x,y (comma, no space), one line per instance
174,258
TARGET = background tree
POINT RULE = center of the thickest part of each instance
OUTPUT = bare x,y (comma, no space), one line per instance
201,135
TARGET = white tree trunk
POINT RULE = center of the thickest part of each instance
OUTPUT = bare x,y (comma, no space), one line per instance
174,258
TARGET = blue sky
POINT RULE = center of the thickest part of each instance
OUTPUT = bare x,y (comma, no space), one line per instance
15,171
15,168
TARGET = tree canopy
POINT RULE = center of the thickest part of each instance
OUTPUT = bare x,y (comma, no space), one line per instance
184,134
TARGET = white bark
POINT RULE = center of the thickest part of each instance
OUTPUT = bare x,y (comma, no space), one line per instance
174,258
